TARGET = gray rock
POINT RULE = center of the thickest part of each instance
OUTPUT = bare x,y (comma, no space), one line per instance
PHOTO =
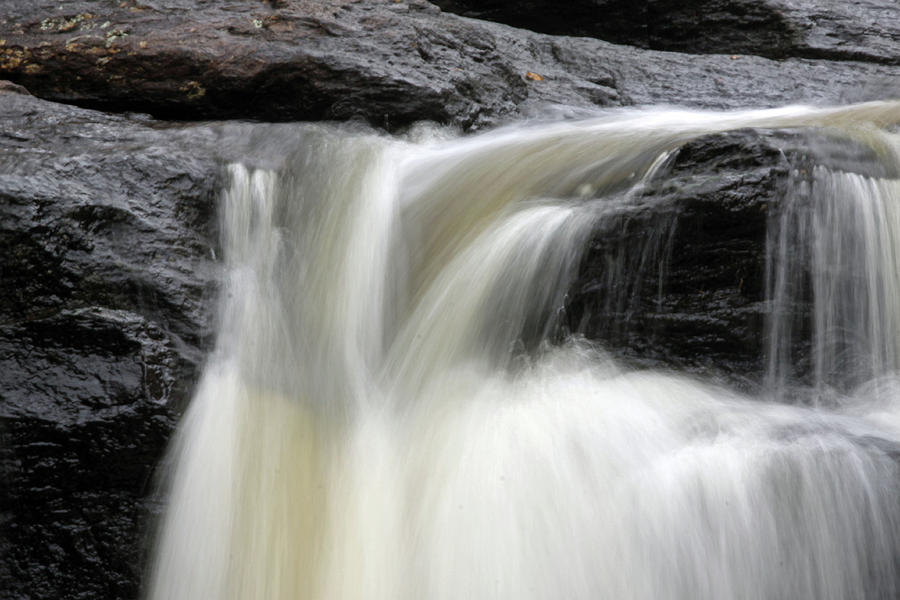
106,241
386,62
864,30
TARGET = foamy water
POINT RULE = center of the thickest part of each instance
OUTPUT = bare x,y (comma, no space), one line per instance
384,415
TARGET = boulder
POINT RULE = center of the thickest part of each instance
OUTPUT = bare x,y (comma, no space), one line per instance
678,280
390,63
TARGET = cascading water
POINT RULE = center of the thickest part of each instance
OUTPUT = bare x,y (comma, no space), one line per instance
389,412
839,237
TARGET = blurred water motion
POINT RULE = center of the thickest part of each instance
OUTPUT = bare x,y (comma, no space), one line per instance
390,412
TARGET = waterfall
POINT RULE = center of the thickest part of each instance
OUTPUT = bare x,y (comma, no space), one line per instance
839,236
391,411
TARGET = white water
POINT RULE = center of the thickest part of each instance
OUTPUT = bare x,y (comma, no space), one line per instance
841,234
381,420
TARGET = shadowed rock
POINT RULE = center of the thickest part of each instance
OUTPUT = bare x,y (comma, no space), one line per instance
866,31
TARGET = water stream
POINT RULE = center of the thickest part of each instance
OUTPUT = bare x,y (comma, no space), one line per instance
390,412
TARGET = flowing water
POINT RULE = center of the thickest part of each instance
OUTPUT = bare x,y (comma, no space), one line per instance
390,412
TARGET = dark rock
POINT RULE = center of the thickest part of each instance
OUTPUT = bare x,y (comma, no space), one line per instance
390,63
682,276
678,280
866,30
106,229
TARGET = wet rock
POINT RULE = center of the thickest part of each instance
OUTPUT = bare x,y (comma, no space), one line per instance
683,276
389,63
679,279
106,240
867,30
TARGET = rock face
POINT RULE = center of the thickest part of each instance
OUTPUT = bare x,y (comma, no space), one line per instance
680,279
106,229
392,63
865,30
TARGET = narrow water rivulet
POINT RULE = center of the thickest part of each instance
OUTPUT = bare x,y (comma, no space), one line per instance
394,408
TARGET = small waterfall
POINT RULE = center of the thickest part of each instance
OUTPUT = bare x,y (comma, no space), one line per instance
836,258
390,411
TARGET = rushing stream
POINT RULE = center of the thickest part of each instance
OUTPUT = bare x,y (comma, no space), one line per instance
391,413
